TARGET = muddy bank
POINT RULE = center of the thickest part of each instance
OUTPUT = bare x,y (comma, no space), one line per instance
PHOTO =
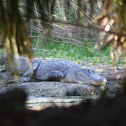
55,89
66,94
60,89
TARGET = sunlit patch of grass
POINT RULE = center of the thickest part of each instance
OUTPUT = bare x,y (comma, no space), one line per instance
83,52
79,53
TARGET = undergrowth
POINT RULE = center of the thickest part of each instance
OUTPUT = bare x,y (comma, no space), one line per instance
74,52
79,53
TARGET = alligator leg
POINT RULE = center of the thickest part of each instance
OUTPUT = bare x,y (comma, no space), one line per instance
52,76
27,76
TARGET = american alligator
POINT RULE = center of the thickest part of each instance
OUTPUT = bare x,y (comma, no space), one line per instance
57,70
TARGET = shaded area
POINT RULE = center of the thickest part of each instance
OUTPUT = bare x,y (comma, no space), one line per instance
105,111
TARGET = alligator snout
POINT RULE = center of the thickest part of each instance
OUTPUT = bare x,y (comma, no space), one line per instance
101,81
104,81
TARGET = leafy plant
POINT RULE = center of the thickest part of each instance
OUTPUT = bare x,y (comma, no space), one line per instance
72,52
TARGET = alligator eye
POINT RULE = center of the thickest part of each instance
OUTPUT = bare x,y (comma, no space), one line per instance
88,70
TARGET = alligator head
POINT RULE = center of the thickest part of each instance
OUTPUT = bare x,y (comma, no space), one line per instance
85,75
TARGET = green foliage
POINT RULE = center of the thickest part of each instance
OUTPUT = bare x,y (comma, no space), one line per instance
2,51
79,53
74,52
14,15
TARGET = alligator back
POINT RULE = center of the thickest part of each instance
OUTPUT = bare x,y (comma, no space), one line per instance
55,65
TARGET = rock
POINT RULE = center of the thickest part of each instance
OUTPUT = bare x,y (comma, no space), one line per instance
55,89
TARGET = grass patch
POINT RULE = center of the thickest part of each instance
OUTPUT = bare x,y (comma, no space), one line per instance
83,52
2,52
79,53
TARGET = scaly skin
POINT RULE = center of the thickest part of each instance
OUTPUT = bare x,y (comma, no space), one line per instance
62,70
55,70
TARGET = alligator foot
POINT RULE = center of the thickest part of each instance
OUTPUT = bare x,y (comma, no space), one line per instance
25,79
